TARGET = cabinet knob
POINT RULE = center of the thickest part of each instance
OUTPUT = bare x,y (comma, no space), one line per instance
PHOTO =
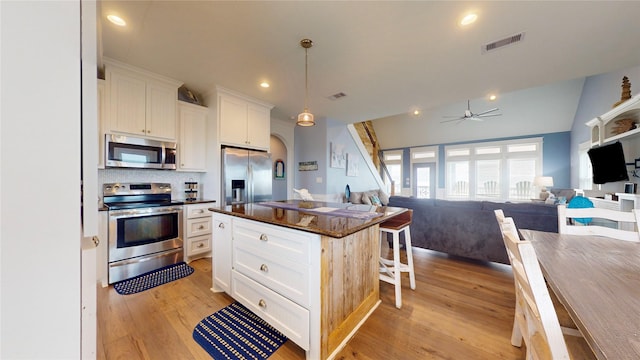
201,211
148,131
221,225
200,245
264,268
200,227
262,303
143,131
264,237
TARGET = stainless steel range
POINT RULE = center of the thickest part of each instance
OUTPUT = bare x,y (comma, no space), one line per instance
145,228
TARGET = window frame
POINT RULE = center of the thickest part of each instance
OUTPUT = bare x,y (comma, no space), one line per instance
456,153
398,182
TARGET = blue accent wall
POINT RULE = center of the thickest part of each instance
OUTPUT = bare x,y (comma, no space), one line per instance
556,158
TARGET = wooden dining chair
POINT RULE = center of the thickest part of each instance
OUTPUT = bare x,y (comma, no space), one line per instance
582,221
536,320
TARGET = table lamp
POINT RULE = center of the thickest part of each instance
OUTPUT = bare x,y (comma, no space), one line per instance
543,182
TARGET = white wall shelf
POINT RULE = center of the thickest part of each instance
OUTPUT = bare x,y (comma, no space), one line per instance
602,126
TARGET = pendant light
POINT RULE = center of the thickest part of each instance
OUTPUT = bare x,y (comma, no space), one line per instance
305,118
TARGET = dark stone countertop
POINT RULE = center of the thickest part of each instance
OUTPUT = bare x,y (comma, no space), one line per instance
330,219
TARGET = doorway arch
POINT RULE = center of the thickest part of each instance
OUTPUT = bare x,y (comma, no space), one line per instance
280,179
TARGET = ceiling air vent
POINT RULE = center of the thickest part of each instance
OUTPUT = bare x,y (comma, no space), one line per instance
337,96
502,42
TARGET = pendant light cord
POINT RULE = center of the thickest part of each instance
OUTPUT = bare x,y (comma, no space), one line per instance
306,79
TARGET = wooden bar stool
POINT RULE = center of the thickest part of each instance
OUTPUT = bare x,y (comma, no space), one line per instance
390,270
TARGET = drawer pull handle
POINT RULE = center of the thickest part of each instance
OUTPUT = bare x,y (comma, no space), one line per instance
264,237
262,303
200,211
201,227
200,245
221,225
264,268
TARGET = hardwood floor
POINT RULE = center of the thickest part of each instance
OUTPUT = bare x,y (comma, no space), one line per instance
460,309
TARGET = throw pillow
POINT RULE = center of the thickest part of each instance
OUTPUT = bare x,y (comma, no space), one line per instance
384,198
366,199
355,198
375,200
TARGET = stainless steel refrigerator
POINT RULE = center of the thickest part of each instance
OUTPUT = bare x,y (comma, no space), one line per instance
246,176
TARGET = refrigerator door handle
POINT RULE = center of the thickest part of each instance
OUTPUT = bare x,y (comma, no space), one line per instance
250,184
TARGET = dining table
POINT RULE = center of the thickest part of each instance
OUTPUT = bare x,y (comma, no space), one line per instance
597,279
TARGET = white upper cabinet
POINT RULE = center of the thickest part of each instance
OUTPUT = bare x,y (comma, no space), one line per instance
192,144
610,126
243,121
101,120
140,102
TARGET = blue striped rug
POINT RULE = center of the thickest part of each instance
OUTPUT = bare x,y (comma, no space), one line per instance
153,278
234,332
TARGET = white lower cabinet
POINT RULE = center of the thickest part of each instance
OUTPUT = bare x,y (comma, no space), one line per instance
221,266
274,272
288,317
197,238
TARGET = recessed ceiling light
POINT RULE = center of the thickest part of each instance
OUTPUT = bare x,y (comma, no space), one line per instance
469,19
116,20
416,112
264,84
492,97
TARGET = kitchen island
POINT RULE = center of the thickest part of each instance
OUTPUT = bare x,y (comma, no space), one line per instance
308,268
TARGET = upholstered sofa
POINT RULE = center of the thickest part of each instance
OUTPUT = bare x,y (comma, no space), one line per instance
469,228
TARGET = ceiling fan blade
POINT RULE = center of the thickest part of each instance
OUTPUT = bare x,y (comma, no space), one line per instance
456,119
475,118
487,115
486,112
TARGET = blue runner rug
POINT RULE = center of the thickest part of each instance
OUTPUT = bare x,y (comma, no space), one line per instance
153,278
234,332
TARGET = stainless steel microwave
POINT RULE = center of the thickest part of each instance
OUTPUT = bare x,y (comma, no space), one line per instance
123,151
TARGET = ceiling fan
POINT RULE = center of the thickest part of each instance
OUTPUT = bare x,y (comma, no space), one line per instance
468,115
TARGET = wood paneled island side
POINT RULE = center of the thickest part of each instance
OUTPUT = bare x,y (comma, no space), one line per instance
310,269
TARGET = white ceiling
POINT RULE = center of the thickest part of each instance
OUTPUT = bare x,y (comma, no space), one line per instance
389,57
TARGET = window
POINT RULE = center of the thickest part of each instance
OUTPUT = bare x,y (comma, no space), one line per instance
393,161
502,170
424,161
488,174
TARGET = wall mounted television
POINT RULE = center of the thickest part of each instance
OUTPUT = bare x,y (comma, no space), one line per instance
608,163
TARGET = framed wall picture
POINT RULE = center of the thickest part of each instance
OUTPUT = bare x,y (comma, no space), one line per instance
307,166
338,157
353,164
278,169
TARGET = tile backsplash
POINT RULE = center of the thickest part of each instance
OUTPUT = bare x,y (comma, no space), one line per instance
175,178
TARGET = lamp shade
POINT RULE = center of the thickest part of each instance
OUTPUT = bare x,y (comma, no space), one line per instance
305,118
543,181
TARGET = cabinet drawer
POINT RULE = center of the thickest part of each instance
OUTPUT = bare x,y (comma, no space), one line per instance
289,318
267,239
199,244
288,278
198,211
197,227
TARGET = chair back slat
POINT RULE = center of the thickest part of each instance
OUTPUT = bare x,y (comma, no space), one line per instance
570,221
